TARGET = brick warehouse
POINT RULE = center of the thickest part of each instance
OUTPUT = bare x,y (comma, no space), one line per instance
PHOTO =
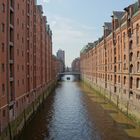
26,62
111,65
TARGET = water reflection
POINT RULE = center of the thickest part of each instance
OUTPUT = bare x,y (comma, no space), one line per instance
65,116
69,115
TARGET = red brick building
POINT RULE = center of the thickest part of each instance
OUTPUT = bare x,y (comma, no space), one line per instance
111,64
25,57
76,65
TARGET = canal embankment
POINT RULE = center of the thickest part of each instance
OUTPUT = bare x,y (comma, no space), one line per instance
15,127
115,109
125,106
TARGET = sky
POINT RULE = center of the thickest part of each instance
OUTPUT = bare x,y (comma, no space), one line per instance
74,23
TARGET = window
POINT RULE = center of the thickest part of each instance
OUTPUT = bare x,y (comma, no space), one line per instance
124,57
131,68
2,27
115,68
3,89
2,68
119,67
124,66
115,89
115,79
131,82
138,82
138,54
131,56
2,47
138,67
124,80
118,79
114,50
130,45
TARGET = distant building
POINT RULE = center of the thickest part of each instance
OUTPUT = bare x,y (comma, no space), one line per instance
59,65
61,55
76,65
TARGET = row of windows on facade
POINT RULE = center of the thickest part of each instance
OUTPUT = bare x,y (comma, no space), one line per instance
130,45
119,79
115,59
18,84
131,94
3,7
119,67
18,67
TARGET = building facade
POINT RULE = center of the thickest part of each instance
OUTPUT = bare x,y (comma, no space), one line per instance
26,61
76,65
61,55
57,66
112,63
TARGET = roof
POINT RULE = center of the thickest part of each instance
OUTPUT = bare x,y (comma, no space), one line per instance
108,25
118,14
89,46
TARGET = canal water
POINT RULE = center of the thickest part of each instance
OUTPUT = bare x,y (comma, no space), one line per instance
70,114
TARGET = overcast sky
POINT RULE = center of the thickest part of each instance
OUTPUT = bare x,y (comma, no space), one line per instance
76,22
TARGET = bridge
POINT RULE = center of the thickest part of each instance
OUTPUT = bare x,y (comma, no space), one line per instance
76,74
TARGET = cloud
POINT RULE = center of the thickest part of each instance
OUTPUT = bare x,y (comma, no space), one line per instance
70,35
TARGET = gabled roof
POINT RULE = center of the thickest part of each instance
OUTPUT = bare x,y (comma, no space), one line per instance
118,14
108,25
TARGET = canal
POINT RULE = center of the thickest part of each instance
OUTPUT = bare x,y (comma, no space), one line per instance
74,112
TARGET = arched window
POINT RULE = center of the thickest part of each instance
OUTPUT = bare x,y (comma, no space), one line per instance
138,67
138,82
119,67
131,68
115,79
118,79
124,57
138,54
124,80
131,82
130,45
131,56
115,68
